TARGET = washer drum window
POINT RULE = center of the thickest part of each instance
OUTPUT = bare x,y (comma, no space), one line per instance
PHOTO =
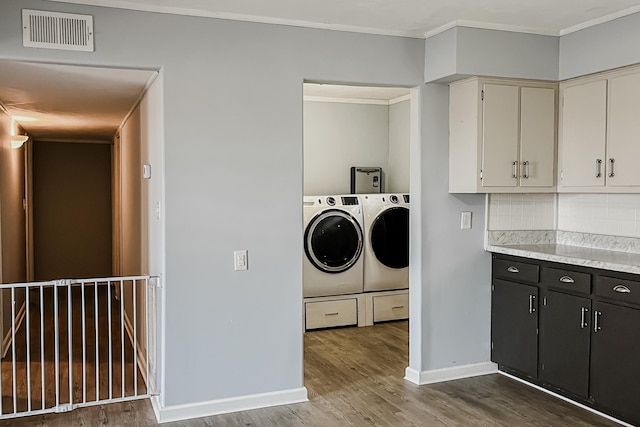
333,241
390,237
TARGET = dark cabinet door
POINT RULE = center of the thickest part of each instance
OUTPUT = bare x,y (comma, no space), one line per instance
564,342
514,326
615,360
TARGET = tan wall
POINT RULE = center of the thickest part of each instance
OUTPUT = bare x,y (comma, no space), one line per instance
12,221
72,210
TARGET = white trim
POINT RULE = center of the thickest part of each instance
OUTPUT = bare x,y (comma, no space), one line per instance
152,78
400,99
6,342
130,5
449,374
369,101
345,100
140,352
566,399
233,404
440,29
491,26
600,20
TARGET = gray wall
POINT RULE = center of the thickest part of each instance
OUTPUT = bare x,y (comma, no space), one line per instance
397,176
603,47
476,51
233,176
456,298
338,136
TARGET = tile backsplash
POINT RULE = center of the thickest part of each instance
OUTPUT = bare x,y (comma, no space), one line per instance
611,214
522,212
608,214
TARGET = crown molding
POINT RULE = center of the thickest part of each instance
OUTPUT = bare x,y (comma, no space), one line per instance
601,20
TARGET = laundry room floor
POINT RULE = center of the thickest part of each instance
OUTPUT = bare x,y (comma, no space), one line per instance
355,378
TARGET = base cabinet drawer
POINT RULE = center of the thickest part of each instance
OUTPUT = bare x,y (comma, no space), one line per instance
329,314
390,307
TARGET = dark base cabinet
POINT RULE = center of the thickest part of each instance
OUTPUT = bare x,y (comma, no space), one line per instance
615,360
564,342
571,329
514,330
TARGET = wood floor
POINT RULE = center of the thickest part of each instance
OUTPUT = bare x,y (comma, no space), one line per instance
354,378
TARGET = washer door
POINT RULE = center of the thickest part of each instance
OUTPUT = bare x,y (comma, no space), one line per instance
333,241
390,237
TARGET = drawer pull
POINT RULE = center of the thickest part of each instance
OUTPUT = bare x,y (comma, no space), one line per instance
622,289
566,279
513,269
331,314
397,306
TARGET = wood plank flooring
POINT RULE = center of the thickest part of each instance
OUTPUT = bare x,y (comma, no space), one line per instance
354,378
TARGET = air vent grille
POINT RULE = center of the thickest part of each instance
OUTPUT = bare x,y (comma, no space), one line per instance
53,30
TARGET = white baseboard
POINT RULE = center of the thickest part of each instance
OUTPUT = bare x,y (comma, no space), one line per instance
140,352
566,399
6,342
449,374
233,404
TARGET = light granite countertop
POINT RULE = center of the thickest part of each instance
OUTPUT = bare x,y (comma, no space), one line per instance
605,259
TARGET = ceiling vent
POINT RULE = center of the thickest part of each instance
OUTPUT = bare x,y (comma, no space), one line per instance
53,30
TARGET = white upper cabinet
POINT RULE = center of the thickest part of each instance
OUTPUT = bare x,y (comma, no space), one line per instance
599,138
623,131
582,134
502,136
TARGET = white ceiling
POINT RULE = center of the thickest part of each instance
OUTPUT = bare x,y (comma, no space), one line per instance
413,18
384,94
60,102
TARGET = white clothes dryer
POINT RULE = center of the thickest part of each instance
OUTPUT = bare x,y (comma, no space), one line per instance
386,253
333,245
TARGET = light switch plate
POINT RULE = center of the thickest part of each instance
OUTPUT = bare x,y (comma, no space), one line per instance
465,220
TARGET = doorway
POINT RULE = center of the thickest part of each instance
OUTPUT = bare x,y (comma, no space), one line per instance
79,336
347,129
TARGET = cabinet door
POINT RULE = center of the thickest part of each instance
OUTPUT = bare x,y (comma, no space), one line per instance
583,131
564,342
623,127
514,326
615,360
537,136
500,110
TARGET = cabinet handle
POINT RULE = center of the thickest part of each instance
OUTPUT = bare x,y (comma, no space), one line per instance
611,162
525,175
622,289
596,324
583,320
397,306
566,279
513,269
515,170
598,168
331,314
532,308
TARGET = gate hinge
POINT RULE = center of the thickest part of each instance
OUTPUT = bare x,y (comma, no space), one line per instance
482,95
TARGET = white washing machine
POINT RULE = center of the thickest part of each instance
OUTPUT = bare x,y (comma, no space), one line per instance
386,252
333,245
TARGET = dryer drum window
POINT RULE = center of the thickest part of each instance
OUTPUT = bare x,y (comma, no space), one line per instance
390,237
333,241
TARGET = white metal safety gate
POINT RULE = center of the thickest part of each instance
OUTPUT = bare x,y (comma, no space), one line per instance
74,343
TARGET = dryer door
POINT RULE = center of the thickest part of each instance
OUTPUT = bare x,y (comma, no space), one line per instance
333,241
390,237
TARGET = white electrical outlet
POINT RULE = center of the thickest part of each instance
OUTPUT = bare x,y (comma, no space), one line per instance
240,260
465,220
